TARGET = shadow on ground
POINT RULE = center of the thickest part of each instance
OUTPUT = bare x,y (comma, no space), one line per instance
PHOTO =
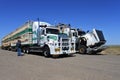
92,53
53,57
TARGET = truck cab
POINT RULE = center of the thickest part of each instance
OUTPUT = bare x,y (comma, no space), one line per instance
51,41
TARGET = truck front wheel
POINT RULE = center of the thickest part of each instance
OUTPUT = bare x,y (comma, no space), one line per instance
82,49
46,52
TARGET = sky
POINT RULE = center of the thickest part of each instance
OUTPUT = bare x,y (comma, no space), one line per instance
84,14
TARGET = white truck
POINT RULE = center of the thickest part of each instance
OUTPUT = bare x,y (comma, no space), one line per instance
89,42
86,42
40,37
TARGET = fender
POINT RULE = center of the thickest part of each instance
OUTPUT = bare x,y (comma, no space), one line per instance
47,46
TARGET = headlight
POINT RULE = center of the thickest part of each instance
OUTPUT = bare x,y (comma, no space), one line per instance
57,49
51,42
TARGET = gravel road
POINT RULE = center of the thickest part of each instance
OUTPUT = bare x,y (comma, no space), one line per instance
77,67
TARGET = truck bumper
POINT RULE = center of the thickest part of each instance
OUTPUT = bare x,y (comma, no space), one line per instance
96,49
60,52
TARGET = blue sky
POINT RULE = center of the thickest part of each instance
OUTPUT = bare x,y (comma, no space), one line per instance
84,14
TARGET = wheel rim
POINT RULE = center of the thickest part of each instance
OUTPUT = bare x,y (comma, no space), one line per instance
24,50
27,51
81,50
45,53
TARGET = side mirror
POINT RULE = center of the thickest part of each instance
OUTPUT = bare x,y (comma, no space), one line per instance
45,34
75,34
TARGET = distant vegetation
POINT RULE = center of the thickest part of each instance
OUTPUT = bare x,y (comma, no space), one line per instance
114,46
112,49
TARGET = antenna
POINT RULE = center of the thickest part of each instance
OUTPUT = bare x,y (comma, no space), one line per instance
38,21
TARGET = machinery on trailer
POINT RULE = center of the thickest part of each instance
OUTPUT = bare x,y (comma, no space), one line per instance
88,42
39,37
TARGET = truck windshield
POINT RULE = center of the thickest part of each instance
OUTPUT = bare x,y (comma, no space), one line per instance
63,35
52,31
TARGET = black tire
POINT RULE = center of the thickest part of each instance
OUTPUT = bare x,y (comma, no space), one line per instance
27,51
82,49
46,52
24,50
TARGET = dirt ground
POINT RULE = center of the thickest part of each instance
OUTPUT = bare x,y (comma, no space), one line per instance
76,67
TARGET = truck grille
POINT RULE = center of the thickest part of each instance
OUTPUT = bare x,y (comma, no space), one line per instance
65,44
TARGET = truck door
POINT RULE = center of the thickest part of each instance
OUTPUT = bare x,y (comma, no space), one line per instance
42,38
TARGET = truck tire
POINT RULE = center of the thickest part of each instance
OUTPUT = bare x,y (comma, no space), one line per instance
82,49
27,51
24,50
46,52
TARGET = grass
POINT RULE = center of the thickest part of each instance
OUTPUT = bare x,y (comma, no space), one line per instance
113,49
